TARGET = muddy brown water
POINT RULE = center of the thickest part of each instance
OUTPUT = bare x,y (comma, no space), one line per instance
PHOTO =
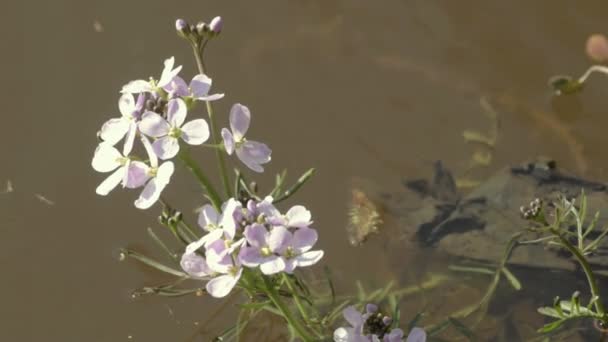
375,90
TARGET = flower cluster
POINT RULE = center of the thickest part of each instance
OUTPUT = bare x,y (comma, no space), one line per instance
373,326
252,235
155,111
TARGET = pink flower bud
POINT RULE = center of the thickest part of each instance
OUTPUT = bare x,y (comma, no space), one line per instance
216,25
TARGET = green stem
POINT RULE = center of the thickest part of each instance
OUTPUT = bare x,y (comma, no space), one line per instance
292,321
296,298
599,306
198,55
203,180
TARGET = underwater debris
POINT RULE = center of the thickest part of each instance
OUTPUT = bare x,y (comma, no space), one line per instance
97,26
364,217
9,187
44,199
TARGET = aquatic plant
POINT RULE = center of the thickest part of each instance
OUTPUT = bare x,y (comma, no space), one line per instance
562,224
244,242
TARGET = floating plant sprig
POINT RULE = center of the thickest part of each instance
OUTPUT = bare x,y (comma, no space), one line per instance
243,243
564,225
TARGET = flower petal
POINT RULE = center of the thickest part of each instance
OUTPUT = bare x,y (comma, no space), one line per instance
208,217
137,175
126,105
309,258
195,265
164,173
106,158
128,147
298,216
212,97
304,239
155,186
416,335
396,335
228,141
168,72
250,256
200,85
253,153
113,130
177,87
353,317
136,87
221,286
256,235
176,112
111,182
239,121
290,265
153,125
195,132
166,147
272,265
149,150
279,239
227,222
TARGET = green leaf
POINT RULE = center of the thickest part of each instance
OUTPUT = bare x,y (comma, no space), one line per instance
296,186
565,85
511,278
463,329
551,326
152,263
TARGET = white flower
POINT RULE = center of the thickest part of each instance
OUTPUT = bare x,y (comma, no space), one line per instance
169,131
251,153
159,177
132,174
115,129
142,86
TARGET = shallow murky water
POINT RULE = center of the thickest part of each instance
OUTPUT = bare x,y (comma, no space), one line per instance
359,89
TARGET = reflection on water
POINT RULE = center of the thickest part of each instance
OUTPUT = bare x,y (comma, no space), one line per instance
351,88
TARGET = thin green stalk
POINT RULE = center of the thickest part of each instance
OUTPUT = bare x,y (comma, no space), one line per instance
599,306
296,298
278,303
204,181
198,55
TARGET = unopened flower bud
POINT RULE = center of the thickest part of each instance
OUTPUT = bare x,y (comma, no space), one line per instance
253,186
182,27
387,320
216,25
202,28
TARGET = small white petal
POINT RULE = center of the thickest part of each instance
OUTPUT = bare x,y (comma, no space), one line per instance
200,85
309,258
195,132
106,158
168,72
273,265
208,217
221,286
153,125
212,97
164,173
228,141
128,147
114,129
176,112
240,116
126,104
166,147
111,182
298,216
136,87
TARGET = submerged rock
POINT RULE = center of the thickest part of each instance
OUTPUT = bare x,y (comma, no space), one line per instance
479,224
